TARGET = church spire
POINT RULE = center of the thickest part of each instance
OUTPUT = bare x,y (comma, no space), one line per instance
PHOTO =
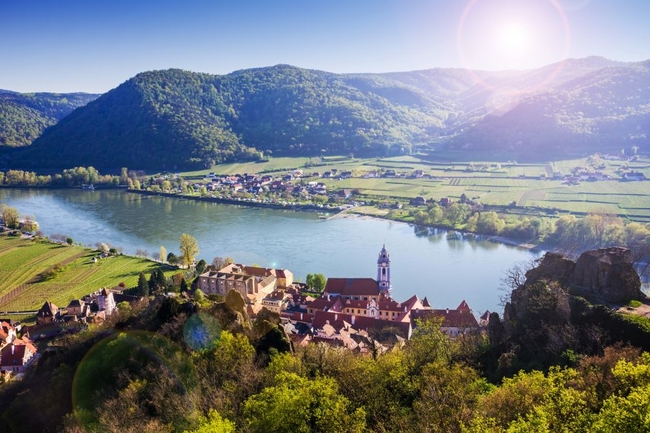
383,270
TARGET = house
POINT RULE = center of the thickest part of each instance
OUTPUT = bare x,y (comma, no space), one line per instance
418,201
352,288
633,176
276,301
106,302
48,313
75,307
7,333
18,355
454,322
252,282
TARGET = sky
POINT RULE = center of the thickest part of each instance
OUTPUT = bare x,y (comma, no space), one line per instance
93,46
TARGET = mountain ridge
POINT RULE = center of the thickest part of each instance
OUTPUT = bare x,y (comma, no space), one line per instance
173,119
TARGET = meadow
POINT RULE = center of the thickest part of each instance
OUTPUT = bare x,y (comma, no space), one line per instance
526,186
33,272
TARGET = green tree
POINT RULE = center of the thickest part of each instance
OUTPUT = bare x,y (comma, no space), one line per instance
213,423
189,249
172,259
10,216
143,285
163,253
316,282
297,404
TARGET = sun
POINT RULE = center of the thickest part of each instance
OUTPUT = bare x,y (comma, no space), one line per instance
512,34
513,38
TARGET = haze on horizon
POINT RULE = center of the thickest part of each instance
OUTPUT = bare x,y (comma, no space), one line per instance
70,45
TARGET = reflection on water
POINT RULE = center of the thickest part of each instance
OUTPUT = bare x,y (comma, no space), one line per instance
446,268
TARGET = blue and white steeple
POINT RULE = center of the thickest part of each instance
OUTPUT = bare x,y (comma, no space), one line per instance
383,270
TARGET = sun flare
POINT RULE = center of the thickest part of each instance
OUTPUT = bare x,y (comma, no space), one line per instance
513,38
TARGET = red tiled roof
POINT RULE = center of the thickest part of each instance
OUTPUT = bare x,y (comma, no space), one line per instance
352,303
8,359
301,317
450,318
463,307
322,303
321,318
352,286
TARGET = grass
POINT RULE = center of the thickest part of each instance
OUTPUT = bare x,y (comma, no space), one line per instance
491,182
23,263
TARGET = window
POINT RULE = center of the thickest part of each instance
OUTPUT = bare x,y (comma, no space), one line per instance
383,271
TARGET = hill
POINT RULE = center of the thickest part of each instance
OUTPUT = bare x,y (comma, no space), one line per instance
24,116
604,111
175,119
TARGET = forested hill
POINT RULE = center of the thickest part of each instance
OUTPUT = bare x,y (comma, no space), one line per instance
606,110
175,119
24,116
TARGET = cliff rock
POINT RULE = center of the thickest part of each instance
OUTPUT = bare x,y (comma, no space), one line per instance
601,276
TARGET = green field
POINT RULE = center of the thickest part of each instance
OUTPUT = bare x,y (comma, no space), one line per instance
489,182
23,263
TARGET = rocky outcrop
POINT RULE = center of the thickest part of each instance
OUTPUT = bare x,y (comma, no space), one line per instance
553,267
604,276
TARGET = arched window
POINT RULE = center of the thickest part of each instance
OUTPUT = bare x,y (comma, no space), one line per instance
383,271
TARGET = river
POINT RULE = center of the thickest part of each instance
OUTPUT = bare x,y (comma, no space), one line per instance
445,267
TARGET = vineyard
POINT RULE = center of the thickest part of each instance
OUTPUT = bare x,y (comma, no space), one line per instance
34,272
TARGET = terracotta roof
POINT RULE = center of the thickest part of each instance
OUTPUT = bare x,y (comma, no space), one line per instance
20,346
322,303
463,307
425,302
352,286
301,317
486,315
450,318
352,303
9,359
341,321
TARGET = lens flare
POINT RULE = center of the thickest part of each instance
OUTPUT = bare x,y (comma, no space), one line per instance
513,35
202,331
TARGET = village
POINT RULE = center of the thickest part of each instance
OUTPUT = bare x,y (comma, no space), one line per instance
349,313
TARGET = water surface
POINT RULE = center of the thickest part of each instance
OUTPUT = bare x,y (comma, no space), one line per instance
444,267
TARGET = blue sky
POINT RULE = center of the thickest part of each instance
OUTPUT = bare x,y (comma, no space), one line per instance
93,46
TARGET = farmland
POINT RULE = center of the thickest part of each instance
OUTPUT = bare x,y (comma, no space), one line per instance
27,280
519,187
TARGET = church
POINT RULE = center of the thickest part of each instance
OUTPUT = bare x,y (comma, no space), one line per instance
364,303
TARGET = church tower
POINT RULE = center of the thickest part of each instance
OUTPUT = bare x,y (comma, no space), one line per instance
383,271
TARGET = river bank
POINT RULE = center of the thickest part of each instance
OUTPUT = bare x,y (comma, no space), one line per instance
239,202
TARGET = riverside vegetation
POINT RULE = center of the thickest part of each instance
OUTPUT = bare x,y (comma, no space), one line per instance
201,364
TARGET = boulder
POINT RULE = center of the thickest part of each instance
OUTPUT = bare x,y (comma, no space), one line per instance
607,276
604,276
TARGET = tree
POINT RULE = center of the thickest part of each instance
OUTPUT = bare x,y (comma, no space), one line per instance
199,296
157,281
220,262
163,253
214,423
172,259
10,216
189,249
299,404
143,285
316,282
200,266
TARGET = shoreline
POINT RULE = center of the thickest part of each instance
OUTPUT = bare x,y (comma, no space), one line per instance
278,206
340,213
